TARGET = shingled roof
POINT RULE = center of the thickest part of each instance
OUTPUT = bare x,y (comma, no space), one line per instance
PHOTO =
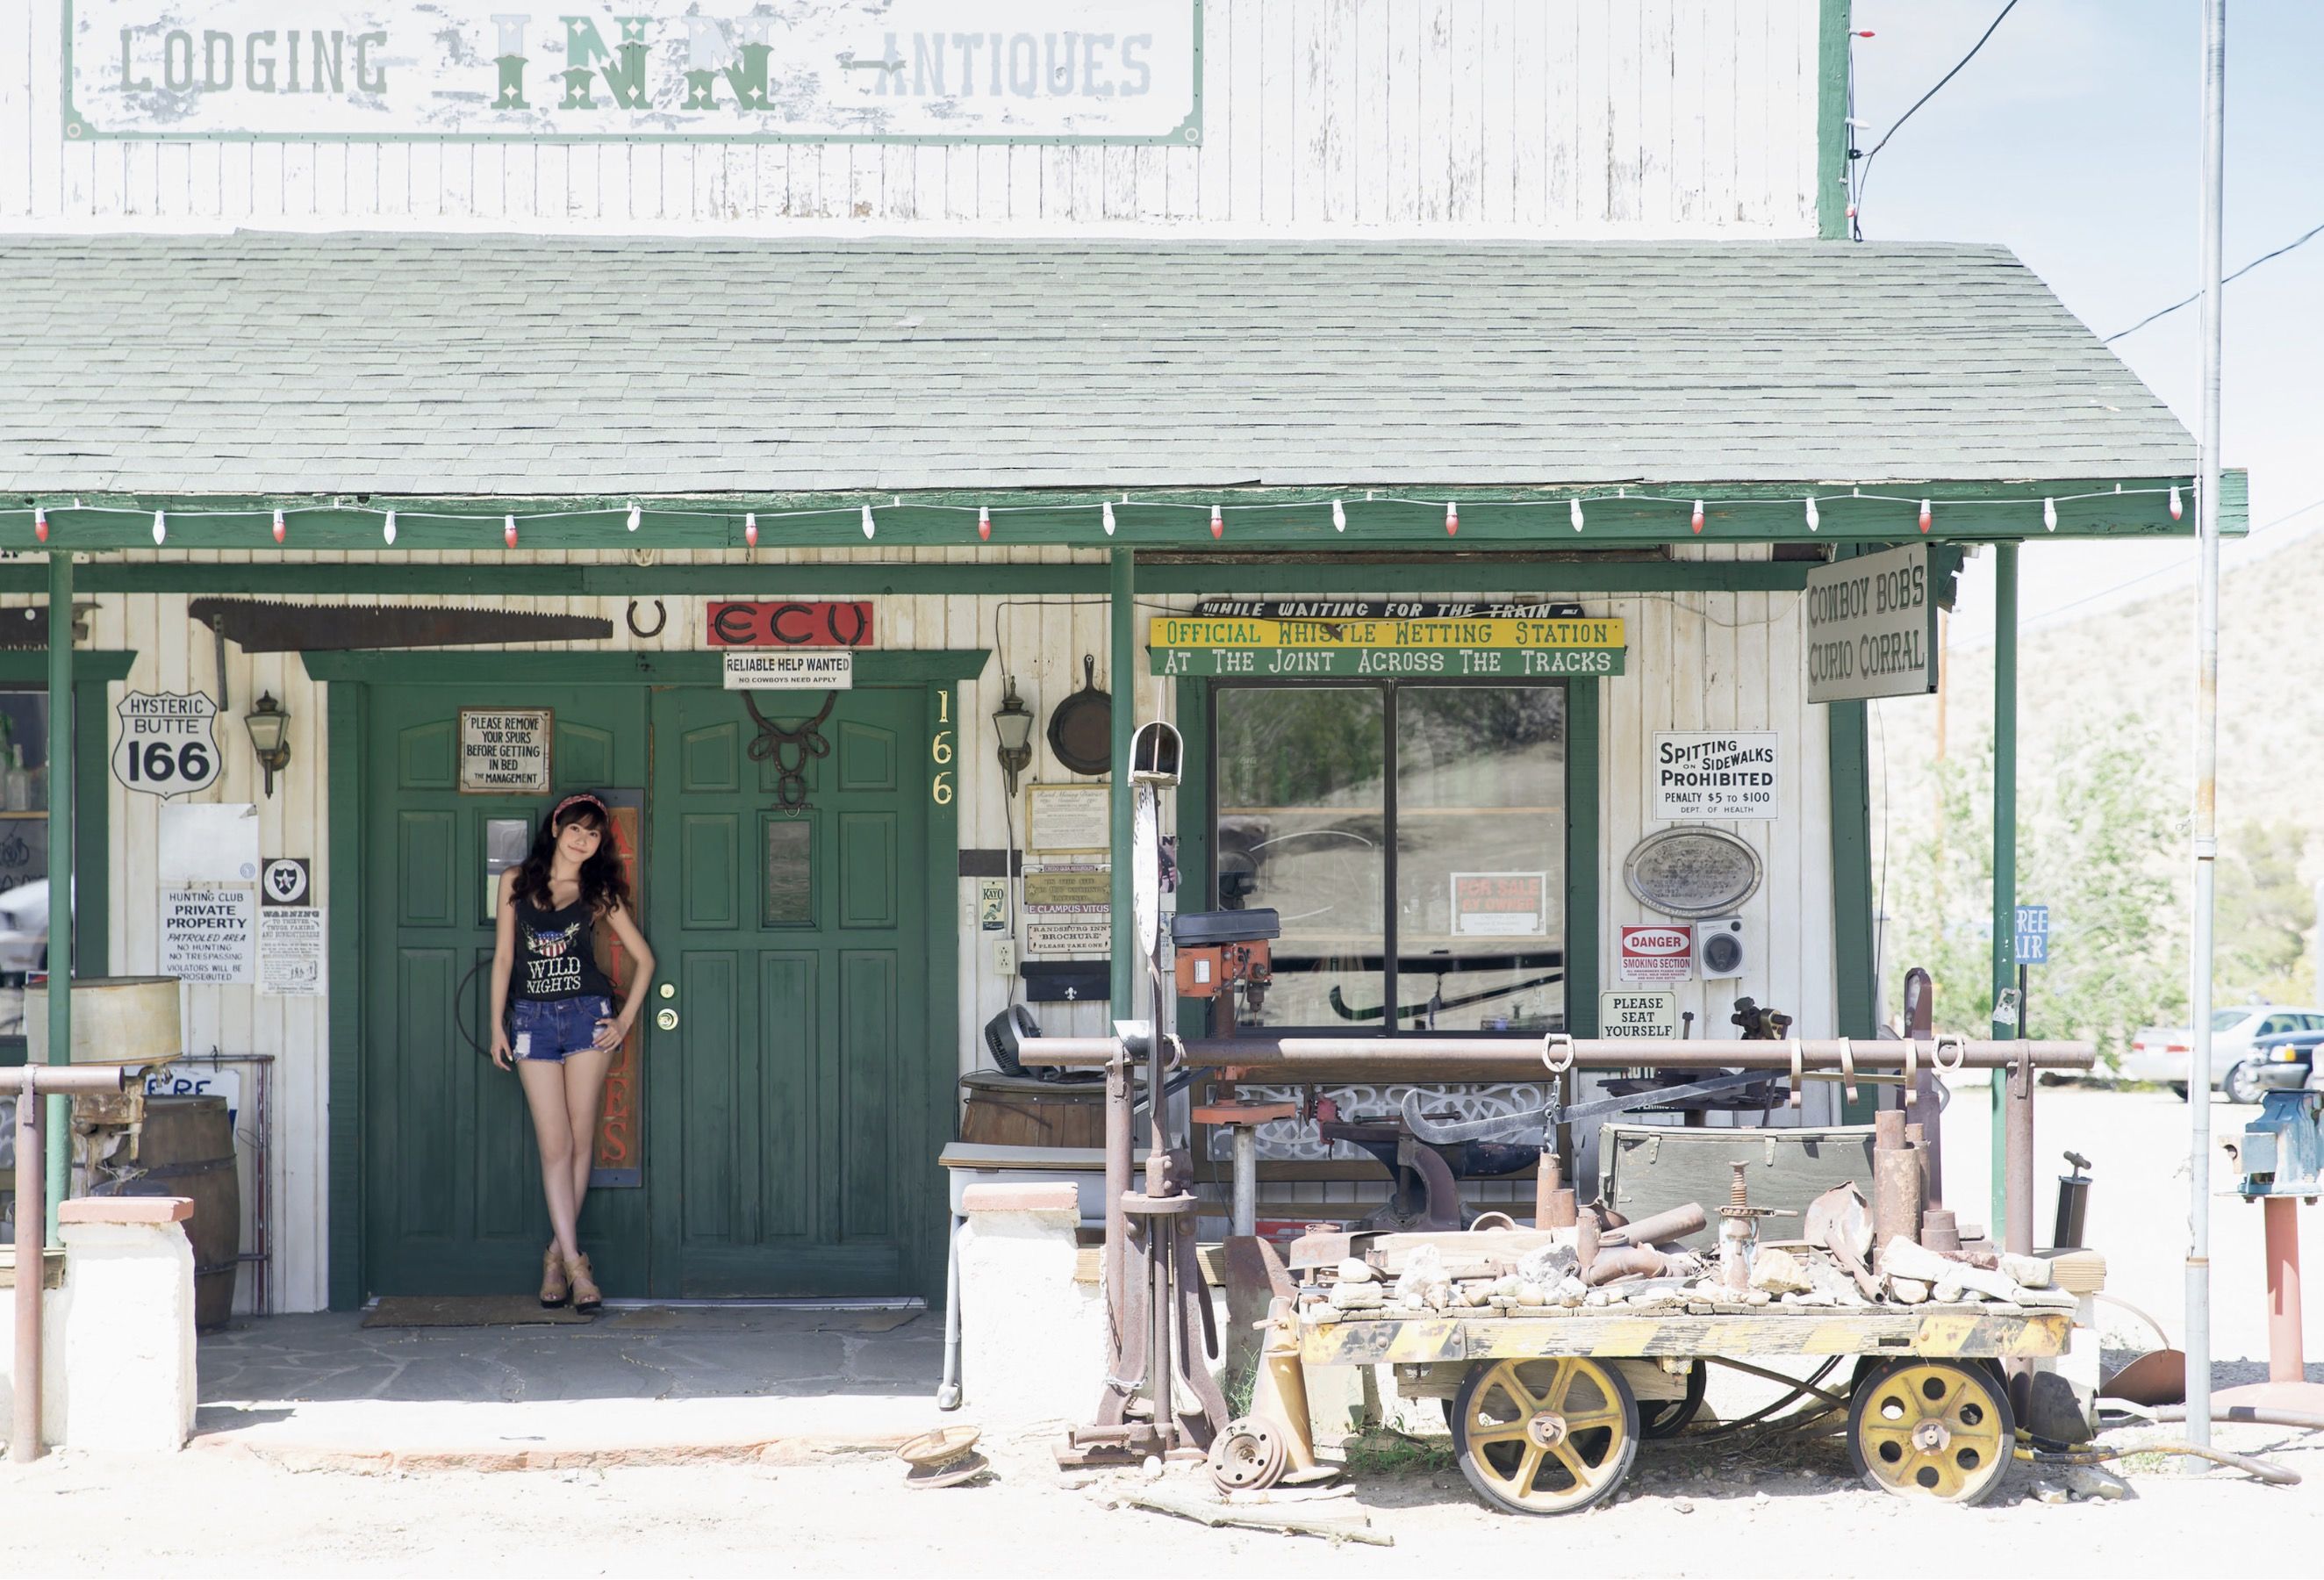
530,367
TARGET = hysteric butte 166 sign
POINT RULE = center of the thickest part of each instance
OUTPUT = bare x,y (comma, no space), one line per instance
790,625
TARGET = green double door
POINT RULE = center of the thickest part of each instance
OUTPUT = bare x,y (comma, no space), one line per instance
773,1130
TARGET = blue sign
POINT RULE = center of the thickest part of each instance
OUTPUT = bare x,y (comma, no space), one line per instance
2033,935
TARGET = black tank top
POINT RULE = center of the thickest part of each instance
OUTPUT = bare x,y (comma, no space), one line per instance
557,954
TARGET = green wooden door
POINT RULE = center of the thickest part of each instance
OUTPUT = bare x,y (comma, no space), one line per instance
452,1187
784,1108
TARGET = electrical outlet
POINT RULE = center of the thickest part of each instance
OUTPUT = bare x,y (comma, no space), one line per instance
1004,957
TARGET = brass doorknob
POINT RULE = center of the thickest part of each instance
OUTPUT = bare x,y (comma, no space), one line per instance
667,1019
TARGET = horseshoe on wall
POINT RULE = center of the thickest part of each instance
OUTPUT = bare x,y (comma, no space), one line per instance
791,750
661,618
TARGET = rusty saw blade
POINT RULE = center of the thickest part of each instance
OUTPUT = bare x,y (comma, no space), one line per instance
263,625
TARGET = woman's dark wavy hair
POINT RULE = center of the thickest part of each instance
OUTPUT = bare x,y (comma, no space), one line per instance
604,886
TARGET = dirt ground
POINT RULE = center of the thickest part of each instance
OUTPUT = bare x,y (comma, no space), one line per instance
1791,1508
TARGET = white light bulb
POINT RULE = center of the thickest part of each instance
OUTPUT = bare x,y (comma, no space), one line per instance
2050,514
1339,517
1106,509
634,514
160,530
868,528
387,527
1814,520
1573,509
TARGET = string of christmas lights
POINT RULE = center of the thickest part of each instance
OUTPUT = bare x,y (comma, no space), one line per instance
1697,509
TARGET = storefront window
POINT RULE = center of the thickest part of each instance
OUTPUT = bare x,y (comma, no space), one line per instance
23,849
1453,797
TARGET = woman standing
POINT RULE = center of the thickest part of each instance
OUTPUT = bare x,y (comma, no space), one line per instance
557,1017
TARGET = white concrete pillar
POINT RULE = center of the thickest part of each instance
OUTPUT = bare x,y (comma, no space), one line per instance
128,1347
1032,1340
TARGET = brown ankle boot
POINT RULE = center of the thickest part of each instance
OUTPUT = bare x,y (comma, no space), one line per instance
555,1290
586,1297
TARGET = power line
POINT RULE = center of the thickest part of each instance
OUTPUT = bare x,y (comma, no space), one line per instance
1864,173
2176,565
2299,241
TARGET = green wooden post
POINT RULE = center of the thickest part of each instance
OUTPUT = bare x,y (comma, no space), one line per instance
60,869
1123,685
2004,835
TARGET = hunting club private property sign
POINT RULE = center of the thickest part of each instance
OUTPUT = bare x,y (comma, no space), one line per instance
1125,72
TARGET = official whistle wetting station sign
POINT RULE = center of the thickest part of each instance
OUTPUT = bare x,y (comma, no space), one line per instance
852,70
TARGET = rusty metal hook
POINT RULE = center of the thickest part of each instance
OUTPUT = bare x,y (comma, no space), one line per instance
661,618
791,750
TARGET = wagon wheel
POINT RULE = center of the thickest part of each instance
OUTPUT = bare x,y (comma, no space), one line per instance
1936,1429
1667,1418
1545,1436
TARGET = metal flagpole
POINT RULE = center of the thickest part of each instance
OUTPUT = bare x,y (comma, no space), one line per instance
2207,743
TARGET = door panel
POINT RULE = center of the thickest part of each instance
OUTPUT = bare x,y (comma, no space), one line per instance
452,1200
785,1062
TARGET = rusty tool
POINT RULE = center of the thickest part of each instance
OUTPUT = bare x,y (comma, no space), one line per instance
264,625
1739,1230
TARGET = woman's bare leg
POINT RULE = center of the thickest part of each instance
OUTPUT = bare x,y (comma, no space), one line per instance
552,1134
584,1089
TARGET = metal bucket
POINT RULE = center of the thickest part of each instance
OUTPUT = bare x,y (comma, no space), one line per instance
187,1148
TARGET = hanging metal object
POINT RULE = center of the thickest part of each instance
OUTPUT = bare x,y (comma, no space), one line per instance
1081,730
790,751
261,625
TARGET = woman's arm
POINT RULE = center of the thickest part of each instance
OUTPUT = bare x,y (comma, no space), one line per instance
633,944
503,963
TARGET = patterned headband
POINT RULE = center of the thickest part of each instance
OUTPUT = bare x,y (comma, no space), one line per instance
575,801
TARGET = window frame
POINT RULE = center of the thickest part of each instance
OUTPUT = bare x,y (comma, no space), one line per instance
1388,686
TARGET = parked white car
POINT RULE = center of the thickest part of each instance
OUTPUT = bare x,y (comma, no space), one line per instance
2160,1053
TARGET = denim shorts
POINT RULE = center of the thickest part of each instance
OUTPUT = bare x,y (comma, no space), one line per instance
551,1028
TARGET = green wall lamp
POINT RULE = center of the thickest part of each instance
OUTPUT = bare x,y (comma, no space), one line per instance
270,736
1012,721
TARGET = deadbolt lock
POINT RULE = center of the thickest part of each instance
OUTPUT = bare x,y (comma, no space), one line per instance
669,990
667,1019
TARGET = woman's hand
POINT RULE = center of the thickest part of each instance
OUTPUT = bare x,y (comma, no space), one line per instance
611,1032
500,1050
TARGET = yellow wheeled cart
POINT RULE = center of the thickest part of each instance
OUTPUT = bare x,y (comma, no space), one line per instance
1545,1420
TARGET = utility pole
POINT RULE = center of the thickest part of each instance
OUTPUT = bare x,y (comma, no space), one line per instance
2206,740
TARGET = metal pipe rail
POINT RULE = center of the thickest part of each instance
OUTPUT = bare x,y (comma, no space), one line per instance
33,1083
1501,1058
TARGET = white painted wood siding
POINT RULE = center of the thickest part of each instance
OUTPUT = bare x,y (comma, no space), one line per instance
1633,117
1695,660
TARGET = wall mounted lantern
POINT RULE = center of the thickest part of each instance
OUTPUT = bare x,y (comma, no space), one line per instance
270,736
1012,722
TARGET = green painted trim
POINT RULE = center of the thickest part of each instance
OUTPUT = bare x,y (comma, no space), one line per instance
898,667
1123,634
64,709
346,704
929,1193
1198,882
1528,517
1187,134
1584,858
2005,834
1853,924
1832,46
29,666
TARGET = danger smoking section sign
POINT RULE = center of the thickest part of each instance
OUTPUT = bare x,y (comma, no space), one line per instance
1663,952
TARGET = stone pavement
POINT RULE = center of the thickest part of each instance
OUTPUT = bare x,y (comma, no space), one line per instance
650,1384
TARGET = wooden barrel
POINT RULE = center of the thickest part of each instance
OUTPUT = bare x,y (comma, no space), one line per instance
1017,1111
187,1148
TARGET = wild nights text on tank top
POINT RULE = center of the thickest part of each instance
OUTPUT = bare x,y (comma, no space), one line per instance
553,962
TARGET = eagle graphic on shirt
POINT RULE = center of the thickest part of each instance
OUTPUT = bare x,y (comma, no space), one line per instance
553,968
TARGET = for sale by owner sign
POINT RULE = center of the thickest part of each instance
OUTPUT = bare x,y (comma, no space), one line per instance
1657,952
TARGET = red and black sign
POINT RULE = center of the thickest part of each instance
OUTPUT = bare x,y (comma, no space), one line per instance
790,625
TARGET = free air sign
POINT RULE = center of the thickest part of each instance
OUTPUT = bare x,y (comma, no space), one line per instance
1658,952
2033,935
1872,627
166,747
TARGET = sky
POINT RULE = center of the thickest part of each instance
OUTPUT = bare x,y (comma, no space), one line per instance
2074,138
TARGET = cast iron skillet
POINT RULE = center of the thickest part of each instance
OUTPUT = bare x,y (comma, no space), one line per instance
1081,730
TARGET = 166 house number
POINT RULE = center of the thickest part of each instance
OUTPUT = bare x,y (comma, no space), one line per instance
940,752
